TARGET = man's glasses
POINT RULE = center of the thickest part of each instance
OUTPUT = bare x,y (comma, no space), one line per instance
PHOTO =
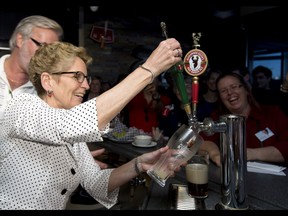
37,42
231,88
78,75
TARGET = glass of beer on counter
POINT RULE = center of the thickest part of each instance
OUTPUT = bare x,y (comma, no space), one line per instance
183,144
197,175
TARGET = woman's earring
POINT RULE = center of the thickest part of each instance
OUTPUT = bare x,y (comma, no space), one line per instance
49,93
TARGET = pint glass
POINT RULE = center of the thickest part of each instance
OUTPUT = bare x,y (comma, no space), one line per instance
183,144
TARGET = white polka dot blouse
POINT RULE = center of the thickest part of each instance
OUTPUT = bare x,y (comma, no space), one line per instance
44,156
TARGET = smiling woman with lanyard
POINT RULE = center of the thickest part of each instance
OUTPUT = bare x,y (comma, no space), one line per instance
266,126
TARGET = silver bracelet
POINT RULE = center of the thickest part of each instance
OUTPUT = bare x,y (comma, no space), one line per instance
152,73
136,167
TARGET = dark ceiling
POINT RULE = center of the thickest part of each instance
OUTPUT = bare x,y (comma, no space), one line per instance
220,24
261,23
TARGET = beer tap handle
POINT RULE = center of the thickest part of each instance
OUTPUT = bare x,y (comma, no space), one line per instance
195,63
164,29
177,74
195,92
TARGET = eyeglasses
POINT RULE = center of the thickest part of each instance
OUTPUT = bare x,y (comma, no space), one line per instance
231,88
37,42
78,75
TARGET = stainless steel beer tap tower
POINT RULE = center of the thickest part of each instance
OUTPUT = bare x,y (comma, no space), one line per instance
233,159
232,129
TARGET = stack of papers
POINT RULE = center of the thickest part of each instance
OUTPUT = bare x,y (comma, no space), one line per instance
265,168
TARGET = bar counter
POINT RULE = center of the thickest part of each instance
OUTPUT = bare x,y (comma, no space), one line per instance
264,191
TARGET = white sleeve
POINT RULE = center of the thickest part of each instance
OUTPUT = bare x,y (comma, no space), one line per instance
30,118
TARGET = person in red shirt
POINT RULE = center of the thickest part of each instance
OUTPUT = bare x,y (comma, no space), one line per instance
236,98
144,109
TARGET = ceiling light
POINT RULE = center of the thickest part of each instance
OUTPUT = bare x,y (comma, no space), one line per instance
94,8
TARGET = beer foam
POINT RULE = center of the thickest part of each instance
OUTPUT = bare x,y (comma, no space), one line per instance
197,173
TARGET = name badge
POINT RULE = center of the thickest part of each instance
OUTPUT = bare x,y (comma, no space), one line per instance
264,134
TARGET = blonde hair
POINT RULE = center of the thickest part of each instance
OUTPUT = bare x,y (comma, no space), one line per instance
54,57
26,26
